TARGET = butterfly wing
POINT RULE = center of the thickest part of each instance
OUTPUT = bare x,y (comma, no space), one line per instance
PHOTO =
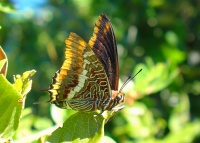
81,83
104,45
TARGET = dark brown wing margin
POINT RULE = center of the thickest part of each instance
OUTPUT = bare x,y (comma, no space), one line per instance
104,45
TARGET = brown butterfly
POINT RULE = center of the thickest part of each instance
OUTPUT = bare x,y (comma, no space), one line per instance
88,79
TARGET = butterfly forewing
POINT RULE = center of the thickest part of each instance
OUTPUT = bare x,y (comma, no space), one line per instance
104,45
81,83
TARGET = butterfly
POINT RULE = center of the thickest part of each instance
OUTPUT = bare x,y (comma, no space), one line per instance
88,79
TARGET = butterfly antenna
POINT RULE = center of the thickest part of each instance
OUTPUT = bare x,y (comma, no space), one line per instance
129,79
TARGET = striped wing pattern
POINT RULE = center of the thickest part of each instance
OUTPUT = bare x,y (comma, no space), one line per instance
81,83
88,78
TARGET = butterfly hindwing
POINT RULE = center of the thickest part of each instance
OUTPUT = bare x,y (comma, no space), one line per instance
81,83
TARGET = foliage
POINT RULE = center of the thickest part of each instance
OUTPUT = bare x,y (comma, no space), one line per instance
12,102
161,37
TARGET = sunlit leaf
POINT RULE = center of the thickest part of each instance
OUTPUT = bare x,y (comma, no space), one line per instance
25,132
11,105
10,108
7,9
139,122
186,135
180,114
80,127
153,78
175,55
23,83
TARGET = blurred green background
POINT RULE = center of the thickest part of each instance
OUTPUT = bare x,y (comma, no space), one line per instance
161,37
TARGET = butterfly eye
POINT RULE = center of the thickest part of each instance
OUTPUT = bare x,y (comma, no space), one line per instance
118,97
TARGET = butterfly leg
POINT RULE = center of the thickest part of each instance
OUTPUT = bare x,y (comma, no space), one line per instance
117,108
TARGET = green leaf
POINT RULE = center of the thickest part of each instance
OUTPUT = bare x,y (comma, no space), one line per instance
3,62
180,114
23,83
10,108
28,121
139,122
12,103
153,78
187,134
80,127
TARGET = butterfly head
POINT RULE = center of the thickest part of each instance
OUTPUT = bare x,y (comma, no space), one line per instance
118,96
117,100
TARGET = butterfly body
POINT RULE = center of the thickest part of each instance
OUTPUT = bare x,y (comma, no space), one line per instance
88,78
